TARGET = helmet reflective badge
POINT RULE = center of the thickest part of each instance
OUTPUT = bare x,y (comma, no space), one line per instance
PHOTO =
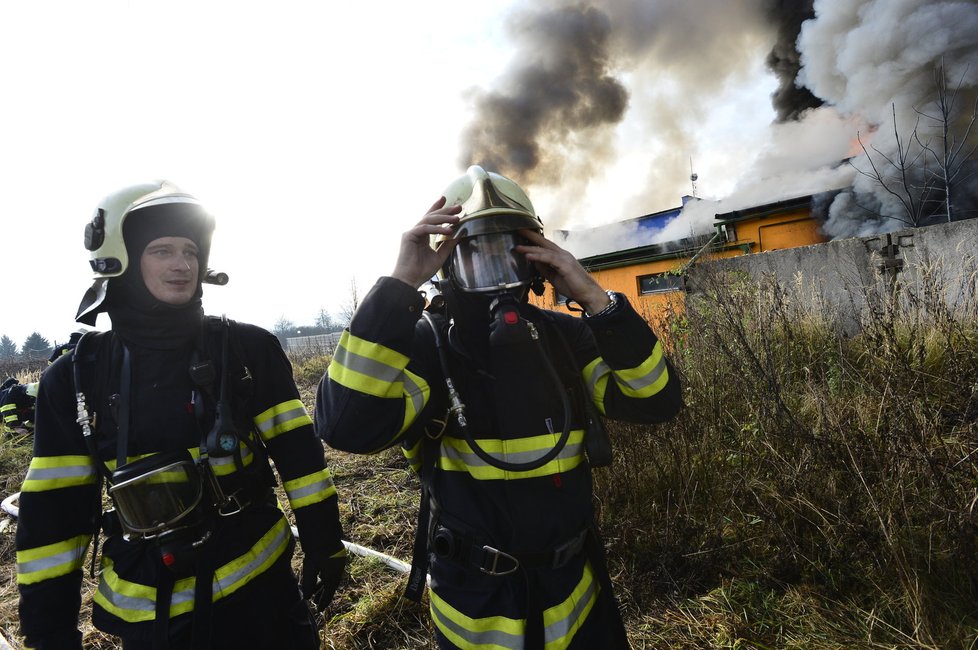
494,208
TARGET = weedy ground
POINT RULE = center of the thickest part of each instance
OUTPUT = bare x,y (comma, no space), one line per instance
817,492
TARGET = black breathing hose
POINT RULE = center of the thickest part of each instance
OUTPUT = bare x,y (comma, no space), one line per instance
457,408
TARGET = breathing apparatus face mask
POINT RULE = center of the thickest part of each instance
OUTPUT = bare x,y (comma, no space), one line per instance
489,263
156,494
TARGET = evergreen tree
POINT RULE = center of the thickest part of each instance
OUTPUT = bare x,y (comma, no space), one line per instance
8,349
36,347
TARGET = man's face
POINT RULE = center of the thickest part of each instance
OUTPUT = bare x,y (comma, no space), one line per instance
170,268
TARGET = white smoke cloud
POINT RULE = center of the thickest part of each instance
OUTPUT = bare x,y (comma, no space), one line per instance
875,61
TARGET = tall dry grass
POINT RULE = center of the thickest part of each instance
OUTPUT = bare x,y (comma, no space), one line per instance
819,489
817,492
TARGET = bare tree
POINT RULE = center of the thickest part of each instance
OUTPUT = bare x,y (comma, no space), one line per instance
923,172
954,149
324,320
350,307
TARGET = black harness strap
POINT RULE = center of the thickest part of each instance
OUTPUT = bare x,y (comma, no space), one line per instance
161,624
419,555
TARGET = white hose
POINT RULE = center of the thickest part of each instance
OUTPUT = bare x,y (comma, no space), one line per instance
398,565
363,551
8,504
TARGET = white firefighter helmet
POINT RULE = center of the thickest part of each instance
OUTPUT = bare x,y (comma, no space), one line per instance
494,208
104,235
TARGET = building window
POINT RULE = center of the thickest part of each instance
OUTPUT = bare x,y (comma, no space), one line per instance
659,283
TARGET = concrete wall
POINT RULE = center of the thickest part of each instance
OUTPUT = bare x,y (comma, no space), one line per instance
843,272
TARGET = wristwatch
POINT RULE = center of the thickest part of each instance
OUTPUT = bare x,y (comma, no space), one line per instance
613,297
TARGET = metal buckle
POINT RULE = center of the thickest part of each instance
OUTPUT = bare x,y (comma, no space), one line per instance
231,501
496,554
566,551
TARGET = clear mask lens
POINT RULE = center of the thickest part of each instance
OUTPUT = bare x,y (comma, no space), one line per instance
490,263
158,498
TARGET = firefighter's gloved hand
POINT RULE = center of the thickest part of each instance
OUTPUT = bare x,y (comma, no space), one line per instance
321,578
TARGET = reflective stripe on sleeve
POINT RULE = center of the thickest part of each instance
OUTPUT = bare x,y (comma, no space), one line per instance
376,370
52,560
282,418
640,382
54,472
309,489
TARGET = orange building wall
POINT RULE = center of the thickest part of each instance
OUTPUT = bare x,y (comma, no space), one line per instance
787,229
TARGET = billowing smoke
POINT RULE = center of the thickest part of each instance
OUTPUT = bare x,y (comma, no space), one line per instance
879,60
560,93
586,78
790,100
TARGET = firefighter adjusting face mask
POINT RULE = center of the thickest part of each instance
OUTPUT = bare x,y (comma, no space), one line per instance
490,262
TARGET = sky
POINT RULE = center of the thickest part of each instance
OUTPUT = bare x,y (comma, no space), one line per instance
316,133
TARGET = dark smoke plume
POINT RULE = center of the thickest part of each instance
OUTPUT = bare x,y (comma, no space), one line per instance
561,88
789,100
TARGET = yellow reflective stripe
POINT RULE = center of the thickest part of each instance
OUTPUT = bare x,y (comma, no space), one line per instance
224,465
413,455
236,574
490,633
54,472
127,600
309,489
52,560
133,602
457,456
596,376
367,367
8,407
646,379
376,370
562,621
282,418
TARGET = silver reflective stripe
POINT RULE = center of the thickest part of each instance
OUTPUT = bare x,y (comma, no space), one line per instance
53,473
70,556
600,370
227,582
414,393
309,490
646,380
470,459
560,629
366,366
229,460
131,603
489,638
281,418
383,373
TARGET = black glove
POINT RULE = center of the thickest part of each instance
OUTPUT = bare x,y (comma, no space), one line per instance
321,578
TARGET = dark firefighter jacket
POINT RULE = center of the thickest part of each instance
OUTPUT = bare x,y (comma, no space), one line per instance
385,386
59,502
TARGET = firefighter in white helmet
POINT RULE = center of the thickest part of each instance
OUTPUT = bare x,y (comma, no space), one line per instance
498,405
177,415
